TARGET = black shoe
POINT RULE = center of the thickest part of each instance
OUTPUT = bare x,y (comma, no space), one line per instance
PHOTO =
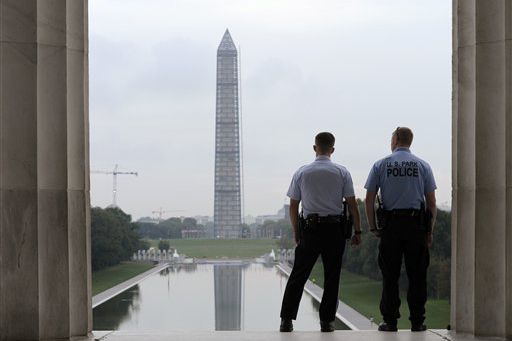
385,327
326,327
418,327
286,326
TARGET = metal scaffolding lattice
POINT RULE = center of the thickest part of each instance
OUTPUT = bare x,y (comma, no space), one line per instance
227,202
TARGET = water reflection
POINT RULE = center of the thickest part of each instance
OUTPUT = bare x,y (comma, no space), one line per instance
110,315
204,297
228,296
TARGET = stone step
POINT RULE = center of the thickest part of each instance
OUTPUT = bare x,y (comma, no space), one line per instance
342,335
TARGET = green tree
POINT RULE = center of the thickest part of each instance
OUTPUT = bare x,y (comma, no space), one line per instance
245,231
173,226
189,223
168,229
164,245
153,231
114,237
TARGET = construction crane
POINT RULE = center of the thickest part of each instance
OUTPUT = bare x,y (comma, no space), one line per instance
160,212
115,173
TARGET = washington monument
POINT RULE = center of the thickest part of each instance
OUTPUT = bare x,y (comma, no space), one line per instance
227,210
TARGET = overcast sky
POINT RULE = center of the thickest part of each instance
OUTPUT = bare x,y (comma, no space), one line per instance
356,68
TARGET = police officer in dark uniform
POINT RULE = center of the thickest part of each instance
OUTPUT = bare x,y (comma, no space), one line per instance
320,187
405,227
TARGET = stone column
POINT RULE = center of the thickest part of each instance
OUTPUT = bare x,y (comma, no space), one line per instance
455,139
508,99
78,167
482,168
18,171
45,290
463,163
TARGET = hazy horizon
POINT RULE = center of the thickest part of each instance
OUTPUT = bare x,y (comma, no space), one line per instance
356,68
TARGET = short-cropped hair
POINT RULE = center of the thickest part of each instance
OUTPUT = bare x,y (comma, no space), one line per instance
404,136
324,141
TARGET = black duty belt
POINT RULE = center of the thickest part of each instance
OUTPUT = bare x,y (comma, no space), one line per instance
408,212
330,219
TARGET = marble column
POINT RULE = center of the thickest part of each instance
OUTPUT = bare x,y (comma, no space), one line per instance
45,288
508,127
482,168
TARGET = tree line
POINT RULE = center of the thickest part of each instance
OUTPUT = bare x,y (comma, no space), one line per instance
167,229
114,237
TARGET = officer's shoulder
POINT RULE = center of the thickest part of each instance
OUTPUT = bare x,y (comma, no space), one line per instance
382,161
342,168
421,161
301,169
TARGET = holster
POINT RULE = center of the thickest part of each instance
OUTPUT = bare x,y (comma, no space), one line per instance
307,226
425,219
301,227
347,222
381,215
310,225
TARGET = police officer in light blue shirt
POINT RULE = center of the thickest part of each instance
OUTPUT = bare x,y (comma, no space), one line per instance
320,187
407,188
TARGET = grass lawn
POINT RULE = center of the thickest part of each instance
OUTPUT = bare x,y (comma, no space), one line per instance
221,248
109,277
363,294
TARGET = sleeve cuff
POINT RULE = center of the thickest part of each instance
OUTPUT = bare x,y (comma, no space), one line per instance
294,197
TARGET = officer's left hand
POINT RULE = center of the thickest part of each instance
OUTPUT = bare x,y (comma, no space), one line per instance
356,240
429,240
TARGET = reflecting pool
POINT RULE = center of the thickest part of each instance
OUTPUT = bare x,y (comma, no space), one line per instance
220,296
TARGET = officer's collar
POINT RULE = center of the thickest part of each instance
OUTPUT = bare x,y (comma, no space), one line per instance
322,157
402,149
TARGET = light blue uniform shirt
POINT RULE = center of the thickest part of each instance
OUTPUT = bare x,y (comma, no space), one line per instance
321,187
403,179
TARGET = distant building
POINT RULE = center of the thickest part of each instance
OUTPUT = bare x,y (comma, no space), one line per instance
227,203
203,219
193,233
263,218
283,213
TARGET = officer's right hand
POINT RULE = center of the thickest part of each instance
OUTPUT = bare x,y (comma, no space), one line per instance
356,240
429,240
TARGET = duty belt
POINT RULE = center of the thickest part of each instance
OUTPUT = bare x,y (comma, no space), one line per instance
311,223
408,212
330,219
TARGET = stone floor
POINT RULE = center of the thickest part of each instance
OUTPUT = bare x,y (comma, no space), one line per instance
348,315
405,335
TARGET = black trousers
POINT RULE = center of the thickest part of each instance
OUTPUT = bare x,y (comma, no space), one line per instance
326,240
403,238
